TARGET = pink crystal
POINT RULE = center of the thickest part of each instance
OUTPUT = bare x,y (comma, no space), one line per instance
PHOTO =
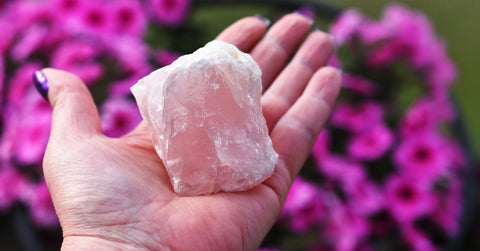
204,115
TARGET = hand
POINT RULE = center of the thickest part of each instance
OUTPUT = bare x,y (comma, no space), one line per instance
115,193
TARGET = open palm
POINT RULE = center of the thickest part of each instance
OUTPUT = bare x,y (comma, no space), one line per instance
115,193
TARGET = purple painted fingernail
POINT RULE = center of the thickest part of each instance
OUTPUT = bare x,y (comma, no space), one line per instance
265,20
41,83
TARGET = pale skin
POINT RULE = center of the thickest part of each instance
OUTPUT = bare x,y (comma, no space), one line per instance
114,194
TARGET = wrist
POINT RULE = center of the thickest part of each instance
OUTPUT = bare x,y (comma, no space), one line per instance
94,243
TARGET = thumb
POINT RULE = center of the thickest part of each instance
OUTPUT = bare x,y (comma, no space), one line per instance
74,112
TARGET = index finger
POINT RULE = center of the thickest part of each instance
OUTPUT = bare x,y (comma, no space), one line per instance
244,33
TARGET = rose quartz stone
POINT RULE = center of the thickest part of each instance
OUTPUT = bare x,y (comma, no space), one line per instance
205,118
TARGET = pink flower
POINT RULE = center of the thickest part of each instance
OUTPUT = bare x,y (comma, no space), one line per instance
67,8
93,18
32,137
169,12
423,156
341,169
122,86
371,144
132,61
357,118
407,24
442,71
165,57
41,205
79,58
303,206
2,81
346,26
119,116
420,118
417,240
30,41
128,18
26,131
456,153
449,207
408,198
359,85
335,62
11,186
403,24
374,32
307,11
364,197
322,144
386,53
9,31
21,83
346,228
31,13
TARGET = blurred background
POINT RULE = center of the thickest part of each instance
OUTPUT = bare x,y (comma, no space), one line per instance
94,40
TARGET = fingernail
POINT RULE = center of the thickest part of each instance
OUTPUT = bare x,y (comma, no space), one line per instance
340,71
332,38
265,20
41,83
310,20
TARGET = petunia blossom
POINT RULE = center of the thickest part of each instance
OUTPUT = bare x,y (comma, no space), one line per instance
79,58
357,118
31,139
169,12
66,9
418,241
21,83
92,19
128,18
449,207
364,197
420,118
341,169
359,85
345,27
408,198
346,228
371,144
119,116
322,144
166,57
12,185
40,204
303,206
30,41
424,156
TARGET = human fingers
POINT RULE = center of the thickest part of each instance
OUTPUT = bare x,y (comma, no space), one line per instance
244,33
285,90
295,133
273,51
74,112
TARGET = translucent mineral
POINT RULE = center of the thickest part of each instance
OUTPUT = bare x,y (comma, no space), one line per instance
205,118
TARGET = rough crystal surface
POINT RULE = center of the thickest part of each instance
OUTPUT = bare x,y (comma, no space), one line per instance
204,115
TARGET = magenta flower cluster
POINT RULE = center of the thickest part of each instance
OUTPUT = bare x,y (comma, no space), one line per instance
384,169
100,41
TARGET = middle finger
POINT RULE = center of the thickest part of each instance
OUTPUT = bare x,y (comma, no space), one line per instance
273,51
